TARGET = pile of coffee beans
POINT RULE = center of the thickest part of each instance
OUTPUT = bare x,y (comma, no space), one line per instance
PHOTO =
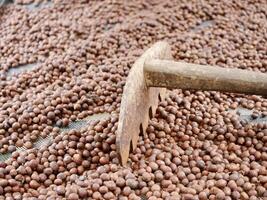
195,147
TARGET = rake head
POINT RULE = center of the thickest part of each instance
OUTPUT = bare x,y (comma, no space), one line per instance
139,102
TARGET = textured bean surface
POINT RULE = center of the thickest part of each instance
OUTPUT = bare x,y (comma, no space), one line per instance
195,147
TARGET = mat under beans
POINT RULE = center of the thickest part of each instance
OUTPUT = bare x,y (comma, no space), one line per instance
40,5
30,6
3,2
245,115
203,25
41,142
22,68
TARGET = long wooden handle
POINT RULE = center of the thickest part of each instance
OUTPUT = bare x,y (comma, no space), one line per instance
170,74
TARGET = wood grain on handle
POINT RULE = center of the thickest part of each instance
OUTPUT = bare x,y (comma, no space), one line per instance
180,75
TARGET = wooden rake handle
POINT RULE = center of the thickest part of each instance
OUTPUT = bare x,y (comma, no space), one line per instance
170,74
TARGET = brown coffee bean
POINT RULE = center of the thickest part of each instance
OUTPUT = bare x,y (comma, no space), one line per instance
73,196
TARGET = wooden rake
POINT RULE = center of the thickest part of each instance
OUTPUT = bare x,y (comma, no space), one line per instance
154,71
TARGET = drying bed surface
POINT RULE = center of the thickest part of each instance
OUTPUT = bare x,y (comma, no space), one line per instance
77,55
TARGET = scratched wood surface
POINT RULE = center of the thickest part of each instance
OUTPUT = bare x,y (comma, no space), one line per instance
137,100
171,74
